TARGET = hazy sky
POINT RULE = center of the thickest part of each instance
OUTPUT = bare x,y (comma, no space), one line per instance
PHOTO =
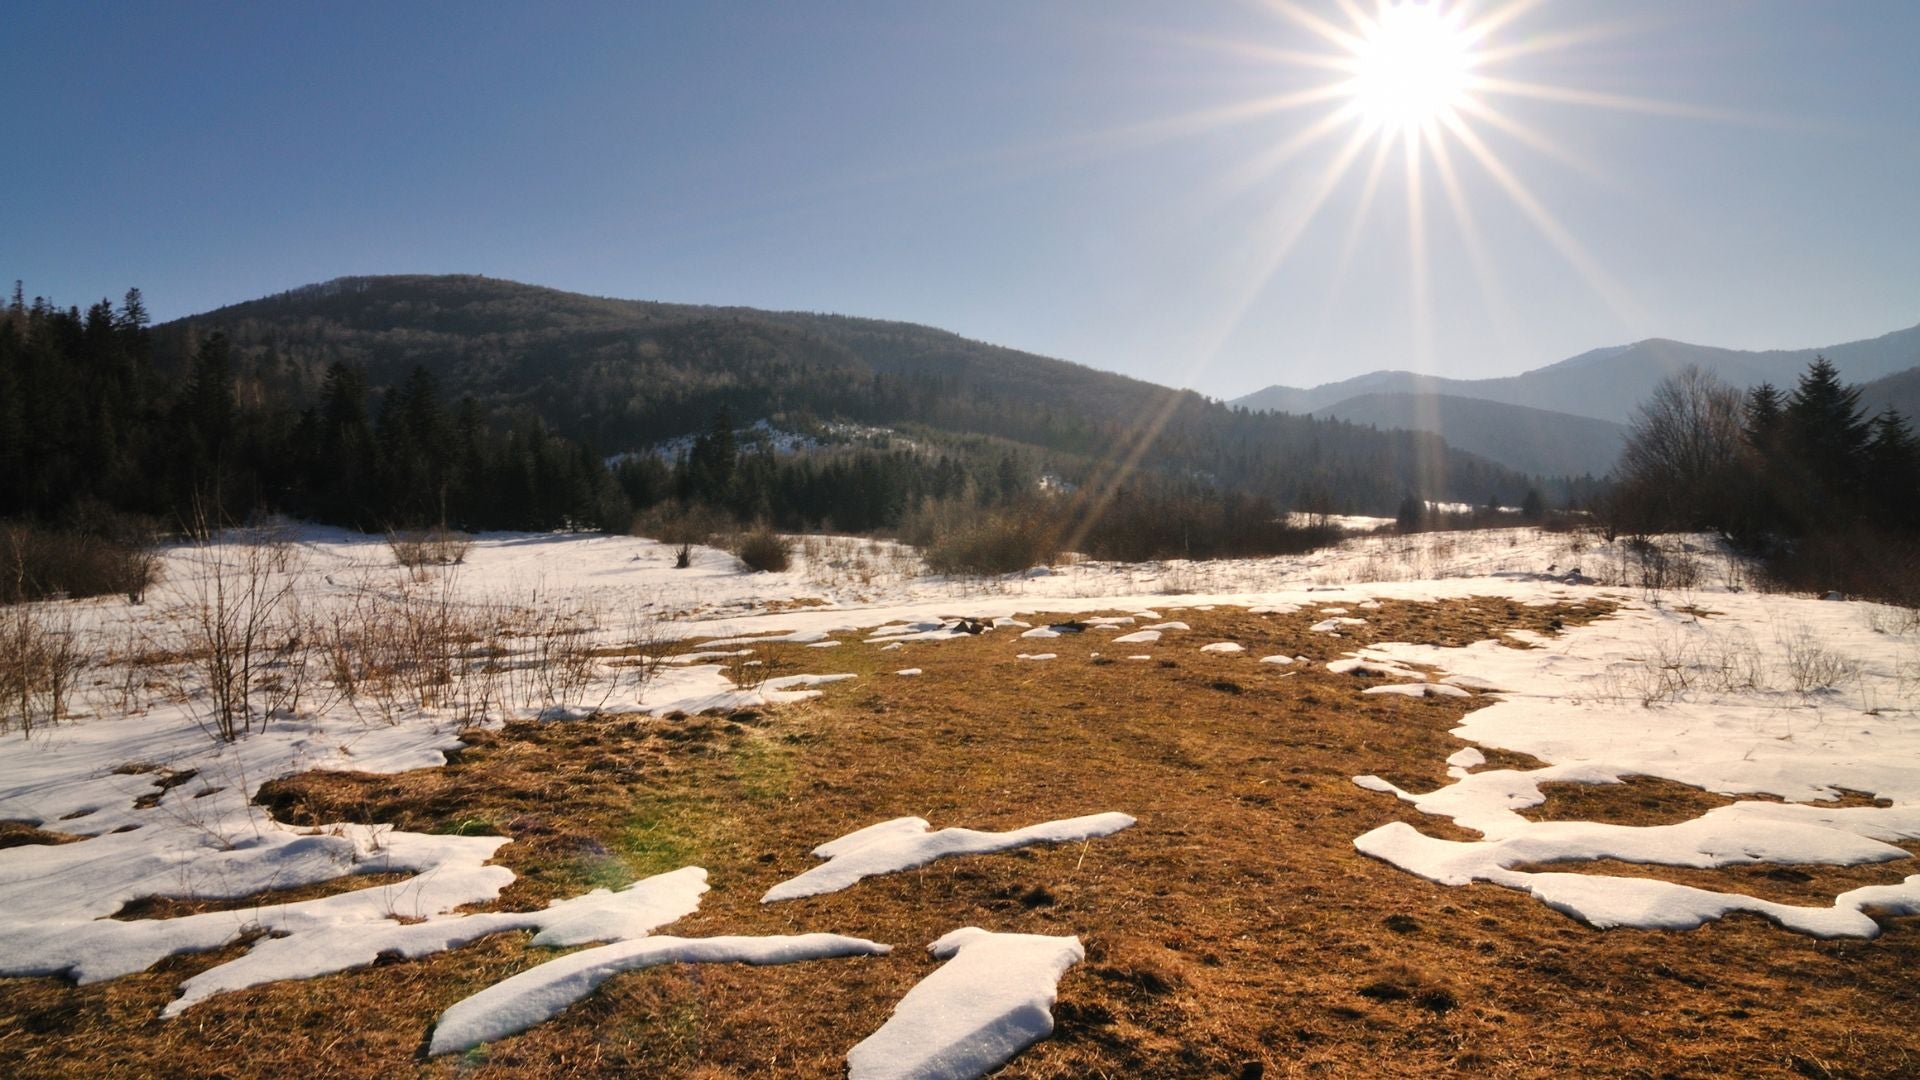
1014,171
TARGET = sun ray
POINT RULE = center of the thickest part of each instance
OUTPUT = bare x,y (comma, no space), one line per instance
1314,23
1362,22
1266,53
1492,295
1253,170
1558,41
1549,226
1566,95
1421,302
1480,29
1534,140
1287,228
1351,241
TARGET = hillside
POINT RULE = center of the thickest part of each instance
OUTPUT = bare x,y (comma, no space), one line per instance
1899,391
1606,384
623,374
1530,440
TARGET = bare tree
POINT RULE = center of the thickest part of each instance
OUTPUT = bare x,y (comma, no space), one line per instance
1682,450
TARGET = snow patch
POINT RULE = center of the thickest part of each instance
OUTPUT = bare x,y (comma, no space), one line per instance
539,994
992,999
904,843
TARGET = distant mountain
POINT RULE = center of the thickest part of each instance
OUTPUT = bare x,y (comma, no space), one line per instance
625,374
1608,383
1898,391
1531,440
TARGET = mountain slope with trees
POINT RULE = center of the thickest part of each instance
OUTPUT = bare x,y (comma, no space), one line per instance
622,375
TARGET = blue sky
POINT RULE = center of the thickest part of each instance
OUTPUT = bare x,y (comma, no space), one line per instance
1006,170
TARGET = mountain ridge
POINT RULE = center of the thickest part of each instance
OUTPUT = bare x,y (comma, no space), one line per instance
1608,382
623,374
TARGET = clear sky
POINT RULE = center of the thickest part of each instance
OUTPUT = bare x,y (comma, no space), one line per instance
1093,180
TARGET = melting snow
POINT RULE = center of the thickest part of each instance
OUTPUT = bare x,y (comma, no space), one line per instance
992,999
538,994
904,843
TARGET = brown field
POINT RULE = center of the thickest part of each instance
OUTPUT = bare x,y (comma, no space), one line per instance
1233,932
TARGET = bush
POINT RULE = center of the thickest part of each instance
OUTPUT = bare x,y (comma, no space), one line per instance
38,563
764,551
1857,561
418,548
40,662
993,542
671,523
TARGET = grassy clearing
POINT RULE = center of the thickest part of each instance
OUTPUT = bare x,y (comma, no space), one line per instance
1232,932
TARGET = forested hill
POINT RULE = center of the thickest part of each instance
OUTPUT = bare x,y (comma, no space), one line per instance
623,374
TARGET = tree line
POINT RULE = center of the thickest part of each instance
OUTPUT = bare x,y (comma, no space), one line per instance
91,427
1805,480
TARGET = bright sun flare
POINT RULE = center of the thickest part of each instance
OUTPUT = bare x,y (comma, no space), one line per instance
1411,68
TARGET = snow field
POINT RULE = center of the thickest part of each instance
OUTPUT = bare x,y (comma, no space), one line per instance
1812,700
1701,701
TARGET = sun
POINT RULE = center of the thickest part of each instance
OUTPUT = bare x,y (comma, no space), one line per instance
1412,66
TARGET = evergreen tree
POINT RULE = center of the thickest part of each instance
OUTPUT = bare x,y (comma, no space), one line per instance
1893,471
133,310
1827,434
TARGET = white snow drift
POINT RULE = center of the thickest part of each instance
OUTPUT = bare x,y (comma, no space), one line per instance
992,999
904,843
539,994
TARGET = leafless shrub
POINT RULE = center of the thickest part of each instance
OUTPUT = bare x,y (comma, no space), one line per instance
992,542
1892,619
38,563
1657,568
750,668
683,526
763,550
241,623
40,661
417,549
1733,662
404,649
1811,665
646,642
560,663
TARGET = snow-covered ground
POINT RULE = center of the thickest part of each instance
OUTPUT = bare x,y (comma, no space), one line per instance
1796,698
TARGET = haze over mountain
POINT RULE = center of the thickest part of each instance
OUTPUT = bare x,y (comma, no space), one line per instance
1899,391
1569,417
1607,383
625,374
1532,440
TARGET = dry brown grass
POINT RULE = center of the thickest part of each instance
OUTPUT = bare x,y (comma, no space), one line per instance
1233,932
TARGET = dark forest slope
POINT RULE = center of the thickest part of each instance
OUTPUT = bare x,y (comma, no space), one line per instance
623,374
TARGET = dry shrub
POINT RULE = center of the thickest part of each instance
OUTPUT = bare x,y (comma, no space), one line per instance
956,538
764,551
750,668
40,660
422,647
38,563
671,523
245,635
1812,666
418,548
